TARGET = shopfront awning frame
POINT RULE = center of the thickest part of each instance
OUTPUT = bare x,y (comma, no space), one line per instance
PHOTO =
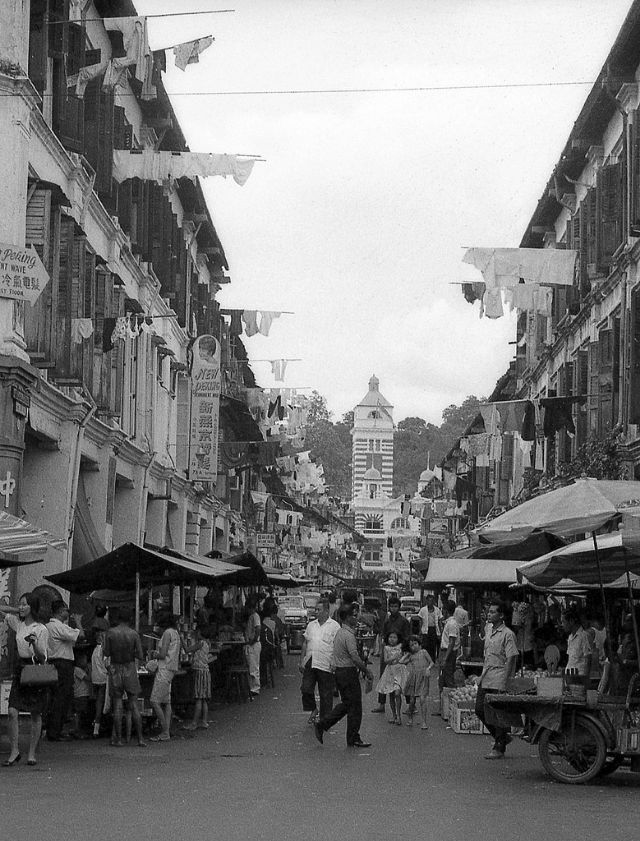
22,543
458,571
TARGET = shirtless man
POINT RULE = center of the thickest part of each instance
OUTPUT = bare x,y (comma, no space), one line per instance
122,645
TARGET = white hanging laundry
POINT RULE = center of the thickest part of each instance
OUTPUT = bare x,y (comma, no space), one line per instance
190,51
161,167
135,39
278,368
506,266
266,320
81,328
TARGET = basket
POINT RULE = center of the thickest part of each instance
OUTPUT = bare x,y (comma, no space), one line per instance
464,720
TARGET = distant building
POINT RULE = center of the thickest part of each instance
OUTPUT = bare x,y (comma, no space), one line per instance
372,436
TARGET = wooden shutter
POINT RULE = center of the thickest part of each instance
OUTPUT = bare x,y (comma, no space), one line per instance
151,367
635,172
183,401
606,346
594,388
99,126
38,44
506,463
37,318
580,387
67,51
609,198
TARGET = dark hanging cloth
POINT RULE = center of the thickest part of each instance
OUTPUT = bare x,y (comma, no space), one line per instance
460,483
528,432
276,408
473,291
108,326
235,328
160,60
557,415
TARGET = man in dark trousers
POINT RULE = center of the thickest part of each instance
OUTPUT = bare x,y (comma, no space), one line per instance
397,623
62,639
347,663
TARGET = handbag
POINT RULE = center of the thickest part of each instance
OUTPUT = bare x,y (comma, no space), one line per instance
39,675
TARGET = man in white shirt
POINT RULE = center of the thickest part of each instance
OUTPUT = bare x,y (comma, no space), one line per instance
449,647
62,638
431,622
315,662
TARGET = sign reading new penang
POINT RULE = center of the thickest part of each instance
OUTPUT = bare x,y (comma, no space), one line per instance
205,409
22,275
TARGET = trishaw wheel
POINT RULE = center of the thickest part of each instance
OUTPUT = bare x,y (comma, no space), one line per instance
611,764
574,755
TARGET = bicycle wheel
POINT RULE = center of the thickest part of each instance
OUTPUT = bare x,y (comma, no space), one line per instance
575,756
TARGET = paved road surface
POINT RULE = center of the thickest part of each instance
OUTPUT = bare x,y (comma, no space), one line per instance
258,773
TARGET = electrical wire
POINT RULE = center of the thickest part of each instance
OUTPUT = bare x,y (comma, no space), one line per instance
157,15
315,91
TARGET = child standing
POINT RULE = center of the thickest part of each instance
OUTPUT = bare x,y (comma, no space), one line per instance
99,676
202,658
416,686
81,694
393,677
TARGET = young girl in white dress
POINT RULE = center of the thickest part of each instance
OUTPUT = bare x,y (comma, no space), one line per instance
392,680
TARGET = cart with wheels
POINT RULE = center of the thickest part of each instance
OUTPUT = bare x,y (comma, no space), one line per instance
577,741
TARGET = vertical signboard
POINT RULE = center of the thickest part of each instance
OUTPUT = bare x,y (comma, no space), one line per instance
205,409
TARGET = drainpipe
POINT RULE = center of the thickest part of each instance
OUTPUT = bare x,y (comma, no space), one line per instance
76,473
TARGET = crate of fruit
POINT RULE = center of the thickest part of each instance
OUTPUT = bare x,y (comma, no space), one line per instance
464,720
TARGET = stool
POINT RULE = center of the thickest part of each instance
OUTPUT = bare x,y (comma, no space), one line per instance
238,683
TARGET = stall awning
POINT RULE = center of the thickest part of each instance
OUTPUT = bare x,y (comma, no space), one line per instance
252,573
117,570
240,570
467,571
22,543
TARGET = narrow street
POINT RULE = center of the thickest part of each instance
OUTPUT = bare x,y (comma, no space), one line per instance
259,773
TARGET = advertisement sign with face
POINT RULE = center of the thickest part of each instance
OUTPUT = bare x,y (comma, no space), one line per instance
205,409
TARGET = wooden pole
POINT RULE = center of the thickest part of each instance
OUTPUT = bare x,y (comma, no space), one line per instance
632,608
138,600
605,611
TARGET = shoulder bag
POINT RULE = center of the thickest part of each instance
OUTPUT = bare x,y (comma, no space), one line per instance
39,675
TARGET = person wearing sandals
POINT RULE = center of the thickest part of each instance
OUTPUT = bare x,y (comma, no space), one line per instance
31,646
201,660
168,665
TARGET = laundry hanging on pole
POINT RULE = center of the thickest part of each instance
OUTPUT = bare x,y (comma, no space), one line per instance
162,167
505,267
135,39
190,51
278,368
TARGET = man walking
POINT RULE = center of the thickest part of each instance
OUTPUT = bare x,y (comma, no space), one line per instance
122,645
449,647
500,659
431,622
347,663
62,638
400,625
315,662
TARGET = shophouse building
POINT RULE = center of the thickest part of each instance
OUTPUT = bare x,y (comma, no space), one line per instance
580,361
95,374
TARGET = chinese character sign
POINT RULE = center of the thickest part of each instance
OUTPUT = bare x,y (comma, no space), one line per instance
22,275
205,409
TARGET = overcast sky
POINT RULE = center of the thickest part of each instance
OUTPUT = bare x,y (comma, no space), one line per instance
358,219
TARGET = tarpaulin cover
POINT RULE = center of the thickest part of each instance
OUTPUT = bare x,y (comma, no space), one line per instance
468,571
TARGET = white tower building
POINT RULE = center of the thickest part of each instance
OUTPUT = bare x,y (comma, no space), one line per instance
372,436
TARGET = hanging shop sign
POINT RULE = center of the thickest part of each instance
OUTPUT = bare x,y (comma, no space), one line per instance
205,409
22,275
266,540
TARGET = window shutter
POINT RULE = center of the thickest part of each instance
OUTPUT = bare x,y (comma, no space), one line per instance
183,401
609,197
67,49
635,171
594,387
38,42
99,124
506,464
580,387
151,367
37,318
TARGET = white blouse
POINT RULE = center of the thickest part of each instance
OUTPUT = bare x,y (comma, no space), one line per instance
22,631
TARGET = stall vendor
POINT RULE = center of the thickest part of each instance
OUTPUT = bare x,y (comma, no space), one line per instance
578,644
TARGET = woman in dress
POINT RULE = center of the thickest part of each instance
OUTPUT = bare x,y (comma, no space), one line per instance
31,645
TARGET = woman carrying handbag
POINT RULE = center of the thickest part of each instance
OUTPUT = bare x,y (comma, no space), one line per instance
31,644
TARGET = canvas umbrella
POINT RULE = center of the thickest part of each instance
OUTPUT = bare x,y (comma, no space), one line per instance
584,506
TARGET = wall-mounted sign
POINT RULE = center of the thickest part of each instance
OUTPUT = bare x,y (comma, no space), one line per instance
22,275
205,409
265,540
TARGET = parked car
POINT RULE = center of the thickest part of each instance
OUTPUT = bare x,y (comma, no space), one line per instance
409,606
293,612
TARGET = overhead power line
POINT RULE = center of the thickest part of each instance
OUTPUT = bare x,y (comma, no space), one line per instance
157,15
415,89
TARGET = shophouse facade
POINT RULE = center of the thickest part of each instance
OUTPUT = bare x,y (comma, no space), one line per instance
584,353
95,384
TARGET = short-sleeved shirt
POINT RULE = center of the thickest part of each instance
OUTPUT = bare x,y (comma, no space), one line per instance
499,647
320,640
578,651
429,618
345,650
251,628
450,631
62,638
169,665
22,631
399,624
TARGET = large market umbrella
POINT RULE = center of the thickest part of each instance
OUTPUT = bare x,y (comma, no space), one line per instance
606,560
585,506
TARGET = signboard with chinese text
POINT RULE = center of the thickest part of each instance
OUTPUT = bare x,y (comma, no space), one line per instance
266,540
205,409
22,275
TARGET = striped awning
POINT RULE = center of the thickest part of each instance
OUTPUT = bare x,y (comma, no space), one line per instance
22,543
